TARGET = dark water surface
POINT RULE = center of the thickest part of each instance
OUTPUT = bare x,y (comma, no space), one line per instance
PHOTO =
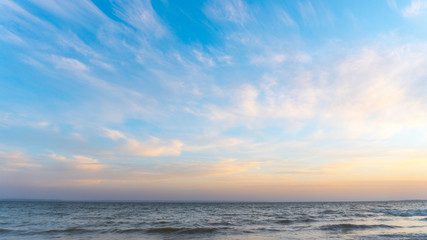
92,220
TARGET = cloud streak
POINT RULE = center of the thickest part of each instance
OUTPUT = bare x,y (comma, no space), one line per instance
153,147
234,11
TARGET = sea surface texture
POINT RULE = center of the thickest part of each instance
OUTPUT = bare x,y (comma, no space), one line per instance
94,220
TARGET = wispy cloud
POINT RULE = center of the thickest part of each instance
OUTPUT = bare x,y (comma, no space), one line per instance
192,169
141,15
12,162
234,11
71,40
69,64
9,37
307,11
416,8
15,13
355,95
287,19
82,12
153,147
315,15
204,59
79,162
114,134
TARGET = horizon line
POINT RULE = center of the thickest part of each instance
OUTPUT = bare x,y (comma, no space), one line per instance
197,201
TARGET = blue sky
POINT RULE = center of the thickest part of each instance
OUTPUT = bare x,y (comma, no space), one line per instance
213,100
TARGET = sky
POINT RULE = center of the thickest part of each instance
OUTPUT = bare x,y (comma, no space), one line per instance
213,100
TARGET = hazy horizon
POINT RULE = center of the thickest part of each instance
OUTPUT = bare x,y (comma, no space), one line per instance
197,201
213,100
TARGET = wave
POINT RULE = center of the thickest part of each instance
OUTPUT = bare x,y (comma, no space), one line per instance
403,213
130,230
268,229
223,223
182,230
350,227
285,221
306,220
363,215
2,230
168,230
399,236
302,220
329,211
162,222
72,230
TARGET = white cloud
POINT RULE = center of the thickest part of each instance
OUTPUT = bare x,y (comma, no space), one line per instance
57,157
213,143
9,37
12,12
392,4
78,136
302,57
247,102
272,59
153,147
318,15
141,15
287,19
267,101
369,93
192,169
225,58
72,41
417,7
113,134
79,162
82,11
307,11
204,59
13,162
43,124
69,64
32,62
234,11
87,163
217,113
372,92
103,65
277,58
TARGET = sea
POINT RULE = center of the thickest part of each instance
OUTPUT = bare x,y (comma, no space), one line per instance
216,220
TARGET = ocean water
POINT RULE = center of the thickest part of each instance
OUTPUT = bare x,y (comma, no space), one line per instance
105,220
